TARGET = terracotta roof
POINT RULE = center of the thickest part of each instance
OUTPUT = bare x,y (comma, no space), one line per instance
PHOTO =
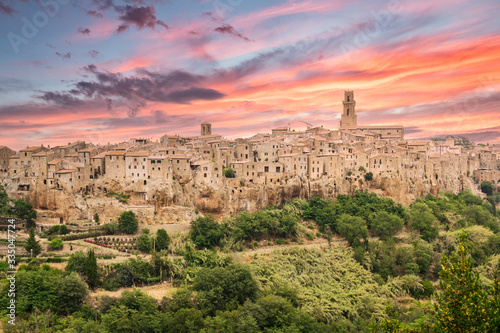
40,154
101,155
56,161
137,154
33,148
87,150
115,153
66,171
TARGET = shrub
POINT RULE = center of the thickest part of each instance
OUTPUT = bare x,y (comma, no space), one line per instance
56,244
487,188
228,173
368,176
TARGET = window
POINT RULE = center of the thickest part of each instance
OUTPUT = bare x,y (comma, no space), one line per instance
266,169
348,112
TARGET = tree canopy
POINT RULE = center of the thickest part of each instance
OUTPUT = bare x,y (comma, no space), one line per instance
127,222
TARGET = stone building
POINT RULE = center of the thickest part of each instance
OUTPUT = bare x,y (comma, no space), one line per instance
5,154
316,156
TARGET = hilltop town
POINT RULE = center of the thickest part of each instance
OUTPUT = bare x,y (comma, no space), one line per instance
174,179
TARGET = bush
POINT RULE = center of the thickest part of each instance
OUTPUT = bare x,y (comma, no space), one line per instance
54,229
487,188
368,176
56,244
63,230
228,173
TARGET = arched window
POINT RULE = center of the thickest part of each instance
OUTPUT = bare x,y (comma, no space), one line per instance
348,98
348,112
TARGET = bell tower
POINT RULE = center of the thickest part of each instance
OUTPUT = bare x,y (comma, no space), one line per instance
348,118
206,129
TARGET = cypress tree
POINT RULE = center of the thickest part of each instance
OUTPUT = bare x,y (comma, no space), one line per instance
33,244
90,269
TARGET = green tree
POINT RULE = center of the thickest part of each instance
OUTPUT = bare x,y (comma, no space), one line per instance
90,269
353,229
76,263
225,288
423,255
228,173
423,220
127,222
144,243
162,240
387,225
368,176
24,210
33,244
206,232
5,208
478,214
487,188
462,304
56,244
72,292
96,218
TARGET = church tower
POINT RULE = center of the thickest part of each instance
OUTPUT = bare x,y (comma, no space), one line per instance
349,118
206,129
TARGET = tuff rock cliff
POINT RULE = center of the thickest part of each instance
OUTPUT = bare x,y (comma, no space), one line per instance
172,202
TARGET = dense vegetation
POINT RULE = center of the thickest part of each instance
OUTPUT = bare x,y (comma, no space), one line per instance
429,267
17,208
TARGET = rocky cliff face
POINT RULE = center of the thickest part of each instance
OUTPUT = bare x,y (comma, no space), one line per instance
171,202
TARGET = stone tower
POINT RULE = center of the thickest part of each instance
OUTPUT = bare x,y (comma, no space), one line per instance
349,118
206,129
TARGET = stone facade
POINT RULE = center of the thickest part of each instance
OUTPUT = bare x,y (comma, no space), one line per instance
269,168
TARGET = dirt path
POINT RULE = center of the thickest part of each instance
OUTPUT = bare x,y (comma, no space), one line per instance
157,291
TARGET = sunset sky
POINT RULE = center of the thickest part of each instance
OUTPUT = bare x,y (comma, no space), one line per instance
108,70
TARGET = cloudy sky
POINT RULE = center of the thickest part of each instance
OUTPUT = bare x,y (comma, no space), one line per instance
107,70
